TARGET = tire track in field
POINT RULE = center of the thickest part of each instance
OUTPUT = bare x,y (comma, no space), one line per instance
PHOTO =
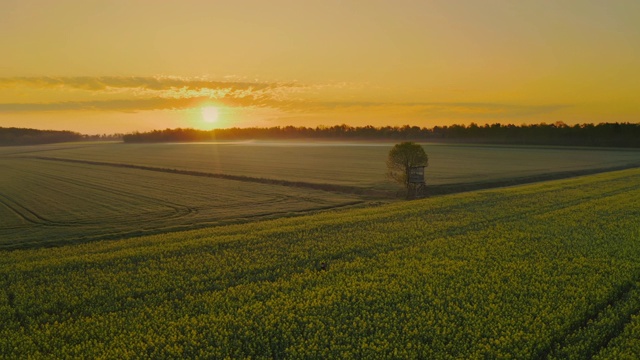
536,210
275,271
179,210
27,214
45,150
442,189
4,201
588,336
300,184
276,199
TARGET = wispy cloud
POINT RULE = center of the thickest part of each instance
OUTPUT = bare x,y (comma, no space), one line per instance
148,93
155,87
156,83
132,94
126,105
427,110
134,105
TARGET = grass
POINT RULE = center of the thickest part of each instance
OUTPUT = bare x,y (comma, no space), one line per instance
523,272
75,192
44,203
350,164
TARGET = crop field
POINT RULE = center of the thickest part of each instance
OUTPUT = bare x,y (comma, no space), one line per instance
546,270
75,192
348,164
48,203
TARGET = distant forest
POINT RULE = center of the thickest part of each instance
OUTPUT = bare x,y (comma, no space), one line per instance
21,136
604,134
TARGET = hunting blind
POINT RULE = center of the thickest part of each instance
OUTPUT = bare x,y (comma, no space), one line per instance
416,185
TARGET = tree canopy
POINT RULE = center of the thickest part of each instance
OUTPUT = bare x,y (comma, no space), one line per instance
402,157
604,134
20,136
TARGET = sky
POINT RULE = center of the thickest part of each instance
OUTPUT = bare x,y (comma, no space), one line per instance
119,66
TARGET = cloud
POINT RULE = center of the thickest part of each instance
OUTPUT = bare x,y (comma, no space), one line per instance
148,93
421,109
145,104
154,83
127,105
175,93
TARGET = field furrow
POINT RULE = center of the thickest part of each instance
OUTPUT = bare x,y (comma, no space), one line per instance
114,194
15,211
626,344
81,202
360,165
11,218
592,334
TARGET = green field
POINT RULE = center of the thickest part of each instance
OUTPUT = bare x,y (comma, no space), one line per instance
48,203
78,192
350,164
533,271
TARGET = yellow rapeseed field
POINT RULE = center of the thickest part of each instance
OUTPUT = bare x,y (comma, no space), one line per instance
533,271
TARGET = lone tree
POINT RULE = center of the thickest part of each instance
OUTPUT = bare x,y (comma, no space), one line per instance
402,158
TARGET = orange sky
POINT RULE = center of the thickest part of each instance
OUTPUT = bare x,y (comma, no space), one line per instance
121,66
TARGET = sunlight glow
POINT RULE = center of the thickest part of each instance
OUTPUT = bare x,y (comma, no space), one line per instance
210,114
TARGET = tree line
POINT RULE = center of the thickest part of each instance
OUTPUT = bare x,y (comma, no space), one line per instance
603,134
22,136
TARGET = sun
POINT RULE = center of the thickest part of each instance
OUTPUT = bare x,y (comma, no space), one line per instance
210,114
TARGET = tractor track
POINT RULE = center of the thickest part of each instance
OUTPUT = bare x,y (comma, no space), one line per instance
178,210
624,297
27,214
300,184
433,190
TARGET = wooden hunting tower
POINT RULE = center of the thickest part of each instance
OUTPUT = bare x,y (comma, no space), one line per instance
416,186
